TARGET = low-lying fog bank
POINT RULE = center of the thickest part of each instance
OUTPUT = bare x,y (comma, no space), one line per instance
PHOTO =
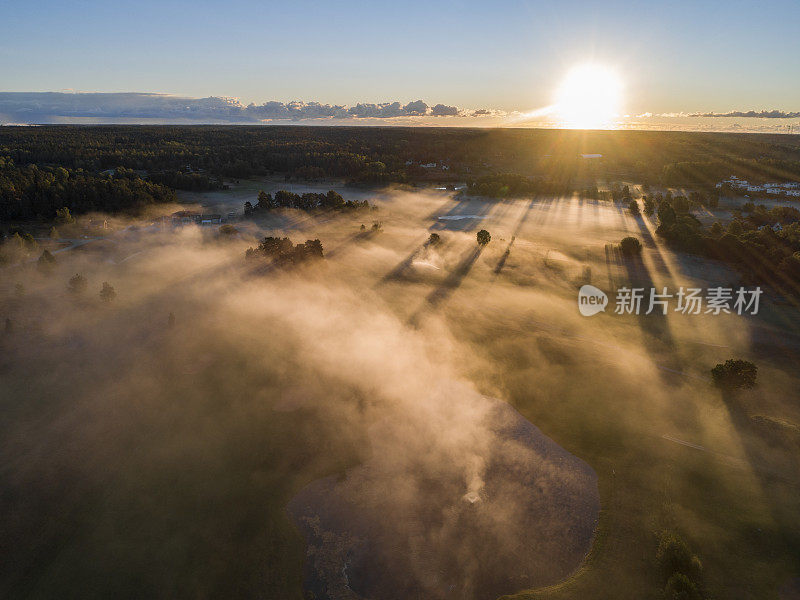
149,455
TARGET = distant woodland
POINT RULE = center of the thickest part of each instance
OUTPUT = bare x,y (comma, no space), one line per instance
122,168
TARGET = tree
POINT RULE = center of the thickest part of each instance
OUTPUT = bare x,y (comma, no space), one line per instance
680,587
633,207
680,204
248,209
649,205
666,215
264,200
77,284
228,230
735,228
630,246
674,556
483,237
716,229
434,239
311,249
63,216
46,261
107,293
735,374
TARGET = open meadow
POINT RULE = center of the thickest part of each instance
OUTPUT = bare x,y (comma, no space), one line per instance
178,424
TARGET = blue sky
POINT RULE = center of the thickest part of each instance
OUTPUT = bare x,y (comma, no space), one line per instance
672,56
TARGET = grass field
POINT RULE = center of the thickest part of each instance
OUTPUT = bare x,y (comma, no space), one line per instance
141,460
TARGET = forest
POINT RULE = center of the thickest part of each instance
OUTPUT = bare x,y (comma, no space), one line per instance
125,167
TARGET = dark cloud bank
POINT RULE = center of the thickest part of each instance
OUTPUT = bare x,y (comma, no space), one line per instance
48,107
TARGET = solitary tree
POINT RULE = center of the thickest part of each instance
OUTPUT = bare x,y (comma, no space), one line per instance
484,237
46,261
63,216
734,373
107,293
77,284
434,239
630,246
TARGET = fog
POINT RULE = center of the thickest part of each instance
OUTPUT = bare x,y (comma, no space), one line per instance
347,425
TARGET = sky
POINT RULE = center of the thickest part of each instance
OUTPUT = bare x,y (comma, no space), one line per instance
678,56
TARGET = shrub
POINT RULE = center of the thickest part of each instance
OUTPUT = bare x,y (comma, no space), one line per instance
107,293
46,261
735,373
77,284
630,246
484,237
680,587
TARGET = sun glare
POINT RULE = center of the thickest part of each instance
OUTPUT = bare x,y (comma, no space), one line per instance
589,97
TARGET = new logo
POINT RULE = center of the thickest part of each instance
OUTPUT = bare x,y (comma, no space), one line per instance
591,300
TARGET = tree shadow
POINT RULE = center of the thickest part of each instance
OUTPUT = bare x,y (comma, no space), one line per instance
399,270
655,324
612,259
501,263
649,242
360,236
773,454
450,284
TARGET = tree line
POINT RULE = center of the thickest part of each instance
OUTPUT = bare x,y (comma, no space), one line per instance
308,201
283,252
197,157
37,192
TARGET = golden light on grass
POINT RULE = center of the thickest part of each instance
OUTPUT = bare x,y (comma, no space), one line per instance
589,97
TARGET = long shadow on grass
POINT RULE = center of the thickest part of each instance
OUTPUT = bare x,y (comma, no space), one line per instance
360,236
654,324
399,270
772,452
649,242
449,285
501,263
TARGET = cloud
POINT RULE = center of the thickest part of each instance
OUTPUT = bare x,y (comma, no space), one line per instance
60,107
763,114
749,114
440,110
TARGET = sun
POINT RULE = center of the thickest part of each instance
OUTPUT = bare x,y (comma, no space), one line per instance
589,97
